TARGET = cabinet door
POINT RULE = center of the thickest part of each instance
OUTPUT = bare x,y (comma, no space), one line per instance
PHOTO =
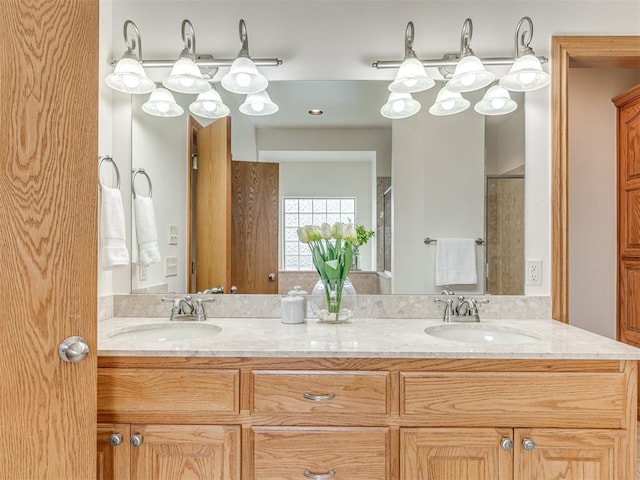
448,453
559,454
173,452
113,460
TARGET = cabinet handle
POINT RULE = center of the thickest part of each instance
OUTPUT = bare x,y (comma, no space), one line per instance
319,397
115,439
506,443
319,476
136,440
528,444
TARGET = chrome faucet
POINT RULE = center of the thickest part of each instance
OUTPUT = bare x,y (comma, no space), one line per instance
466,309
185,308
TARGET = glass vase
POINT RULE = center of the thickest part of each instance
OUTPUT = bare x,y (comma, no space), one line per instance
333,303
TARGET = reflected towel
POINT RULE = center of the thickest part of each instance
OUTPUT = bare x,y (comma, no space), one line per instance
113,246
456,261
146,231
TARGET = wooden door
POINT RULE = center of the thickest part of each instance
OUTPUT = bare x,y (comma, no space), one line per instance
174,452
48,235
113,460
628,132
572,455
213,206
254,220
448,453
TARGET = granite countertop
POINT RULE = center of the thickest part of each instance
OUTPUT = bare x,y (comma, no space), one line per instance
360,338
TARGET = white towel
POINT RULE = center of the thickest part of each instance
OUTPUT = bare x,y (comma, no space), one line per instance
113,237
146,231
456,261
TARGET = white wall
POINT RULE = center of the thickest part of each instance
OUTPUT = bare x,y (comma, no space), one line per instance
354,34
439,164
592,195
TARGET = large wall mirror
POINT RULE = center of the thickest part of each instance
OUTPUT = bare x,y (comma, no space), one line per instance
424,176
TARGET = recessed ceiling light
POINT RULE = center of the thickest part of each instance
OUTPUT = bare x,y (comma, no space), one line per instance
315,111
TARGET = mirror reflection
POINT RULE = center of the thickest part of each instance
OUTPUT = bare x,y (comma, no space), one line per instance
230,224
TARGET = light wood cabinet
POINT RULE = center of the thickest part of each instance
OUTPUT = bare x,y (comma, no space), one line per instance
374,418
168,452
506,454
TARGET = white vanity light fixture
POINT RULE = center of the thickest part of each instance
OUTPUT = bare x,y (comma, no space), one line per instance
243,76
128,75
258,104
526,74
411,76
209,105
496,101
162,104
470,73
400,105
185,76
448,103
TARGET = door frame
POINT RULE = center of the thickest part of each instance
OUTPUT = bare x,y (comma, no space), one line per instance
566,52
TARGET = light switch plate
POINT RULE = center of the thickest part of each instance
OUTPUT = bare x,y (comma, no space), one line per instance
170,266
173,234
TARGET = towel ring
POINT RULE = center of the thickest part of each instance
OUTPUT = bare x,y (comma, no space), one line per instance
108,158
133,181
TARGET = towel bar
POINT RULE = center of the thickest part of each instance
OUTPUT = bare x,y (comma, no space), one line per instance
479,241
133,180
108,158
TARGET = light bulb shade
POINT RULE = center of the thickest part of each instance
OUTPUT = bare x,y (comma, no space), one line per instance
469,75
209,105
185,77
448,103
243,77
496,101
162,104
411,77
525,75
400,105
129,77
258,104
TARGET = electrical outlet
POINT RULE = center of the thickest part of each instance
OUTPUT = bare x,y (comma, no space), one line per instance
173,234
170,266
534,272
142,273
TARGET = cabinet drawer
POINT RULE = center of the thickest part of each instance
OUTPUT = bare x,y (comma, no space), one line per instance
515,399
285,453
182,395
320,392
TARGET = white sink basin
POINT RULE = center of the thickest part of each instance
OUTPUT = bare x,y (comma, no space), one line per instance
479,333
167,332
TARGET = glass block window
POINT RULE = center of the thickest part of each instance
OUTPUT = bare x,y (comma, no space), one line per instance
298,212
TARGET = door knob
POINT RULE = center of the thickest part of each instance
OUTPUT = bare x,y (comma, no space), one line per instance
115,439
528,444
73,349
272,277
135,440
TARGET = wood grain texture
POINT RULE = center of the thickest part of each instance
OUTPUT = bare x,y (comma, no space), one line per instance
48,234
582,51
572,455
455,453
213,206
194,128
354,392
168,393
254,237
193,452
352,453
114,463
490,399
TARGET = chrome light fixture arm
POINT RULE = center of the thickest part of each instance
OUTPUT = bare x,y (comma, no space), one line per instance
133,42
189,40
523,39
465,38
409,35
244,40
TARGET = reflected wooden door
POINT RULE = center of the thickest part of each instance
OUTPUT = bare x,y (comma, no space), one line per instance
48,234
254,206
213,206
